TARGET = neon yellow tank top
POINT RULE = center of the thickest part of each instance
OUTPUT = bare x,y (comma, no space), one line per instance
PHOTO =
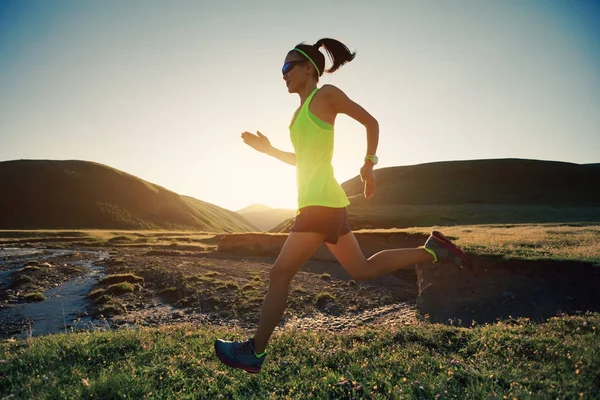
313,143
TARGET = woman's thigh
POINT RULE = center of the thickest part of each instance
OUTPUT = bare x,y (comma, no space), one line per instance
347,251
297,250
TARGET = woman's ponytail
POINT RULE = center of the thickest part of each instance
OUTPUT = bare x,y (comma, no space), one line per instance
337,51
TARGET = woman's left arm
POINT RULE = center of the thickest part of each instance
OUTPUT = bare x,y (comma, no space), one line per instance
344,105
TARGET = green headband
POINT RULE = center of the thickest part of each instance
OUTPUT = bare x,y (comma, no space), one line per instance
309,59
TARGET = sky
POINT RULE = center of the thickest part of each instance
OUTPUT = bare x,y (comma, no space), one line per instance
163,89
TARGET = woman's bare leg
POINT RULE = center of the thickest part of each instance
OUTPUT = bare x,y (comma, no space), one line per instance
296,251
348,253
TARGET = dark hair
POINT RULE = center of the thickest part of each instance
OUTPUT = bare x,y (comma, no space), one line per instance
338,53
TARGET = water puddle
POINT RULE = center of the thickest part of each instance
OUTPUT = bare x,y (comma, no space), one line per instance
65,305
12,259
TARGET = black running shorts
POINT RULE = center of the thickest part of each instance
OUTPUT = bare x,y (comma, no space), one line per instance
329,221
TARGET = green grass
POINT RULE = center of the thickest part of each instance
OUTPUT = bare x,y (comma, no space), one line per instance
566,242
112,238
35,296
117,278
96,293
322,298
120,288
22,280
516,359
110,308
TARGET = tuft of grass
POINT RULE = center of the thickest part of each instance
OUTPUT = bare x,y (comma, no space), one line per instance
74,269
110,309
22,280
94,294
226,284
323,297
121,239
35,296
325,276
117,278
30,268
120,288
299,290
104,299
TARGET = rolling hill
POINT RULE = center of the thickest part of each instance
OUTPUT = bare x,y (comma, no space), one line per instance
47,194
475,192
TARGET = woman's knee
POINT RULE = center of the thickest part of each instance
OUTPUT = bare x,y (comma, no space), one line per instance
360,272
281,273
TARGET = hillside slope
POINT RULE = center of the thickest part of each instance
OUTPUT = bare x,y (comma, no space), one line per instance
499,181
47,194
475,192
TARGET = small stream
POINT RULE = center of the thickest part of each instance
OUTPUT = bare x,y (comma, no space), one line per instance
65,306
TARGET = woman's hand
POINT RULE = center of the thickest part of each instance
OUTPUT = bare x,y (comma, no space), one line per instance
257,142
368,177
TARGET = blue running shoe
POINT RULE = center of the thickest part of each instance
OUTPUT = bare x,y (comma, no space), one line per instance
239,355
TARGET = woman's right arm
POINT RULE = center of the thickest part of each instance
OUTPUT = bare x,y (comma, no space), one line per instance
288,158
261,143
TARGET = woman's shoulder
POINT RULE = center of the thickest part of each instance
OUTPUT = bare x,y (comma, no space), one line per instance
329,89
329,93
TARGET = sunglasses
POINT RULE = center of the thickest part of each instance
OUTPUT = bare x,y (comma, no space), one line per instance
288,66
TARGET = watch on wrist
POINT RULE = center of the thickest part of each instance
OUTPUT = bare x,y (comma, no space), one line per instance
373,158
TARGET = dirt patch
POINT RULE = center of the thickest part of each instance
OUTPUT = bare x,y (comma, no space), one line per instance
233,288
535,289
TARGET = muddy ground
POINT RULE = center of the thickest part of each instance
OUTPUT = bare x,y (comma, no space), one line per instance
151,286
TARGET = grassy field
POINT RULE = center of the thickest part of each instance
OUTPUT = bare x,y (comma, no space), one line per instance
514,359
112,238
580,242
576,242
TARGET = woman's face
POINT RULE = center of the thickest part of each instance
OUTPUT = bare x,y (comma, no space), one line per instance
295,71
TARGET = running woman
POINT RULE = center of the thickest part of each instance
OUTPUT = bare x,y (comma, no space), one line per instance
322,202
